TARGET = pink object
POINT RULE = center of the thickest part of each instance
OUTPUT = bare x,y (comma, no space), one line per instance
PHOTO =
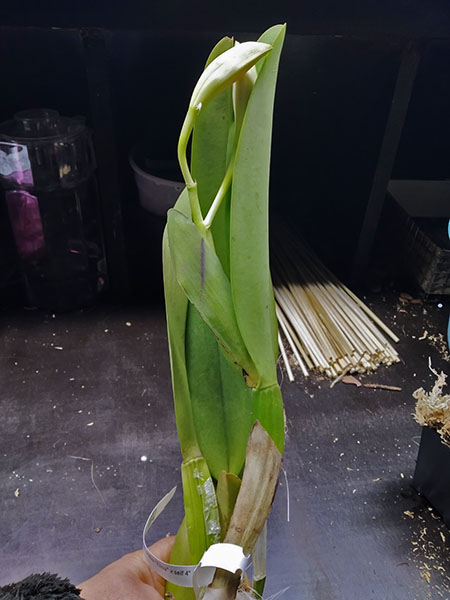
26,224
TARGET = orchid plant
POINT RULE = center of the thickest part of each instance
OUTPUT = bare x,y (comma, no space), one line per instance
220,310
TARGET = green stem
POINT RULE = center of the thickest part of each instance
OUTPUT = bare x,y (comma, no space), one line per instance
191,184
221,193
185,134
196,211
186,130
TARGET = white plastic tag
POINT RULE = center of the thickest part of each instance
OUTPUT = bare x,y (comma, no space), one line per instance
228,557
16,160
218,556
178,574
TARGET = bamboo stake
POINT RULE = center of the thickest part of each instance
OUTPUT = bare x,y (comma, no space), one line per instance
291,343
285,358
327,327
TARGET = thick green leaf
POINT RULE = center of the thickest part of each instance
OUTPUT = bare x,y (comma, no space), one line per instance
221,400
201,276
202,517
249,254
176,313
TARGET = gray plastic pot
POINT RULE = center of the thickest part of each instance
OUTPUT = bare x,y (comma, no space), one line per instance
156,194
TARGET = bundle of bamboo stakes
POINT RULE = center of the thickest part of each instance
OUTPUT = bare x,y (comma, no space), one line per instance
324,324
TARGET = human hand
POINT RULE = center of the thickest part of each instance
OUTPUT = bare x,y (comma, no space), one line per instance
129,578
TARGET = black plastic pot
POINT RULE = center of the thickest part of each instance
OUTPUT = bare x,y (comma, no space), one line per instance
432,475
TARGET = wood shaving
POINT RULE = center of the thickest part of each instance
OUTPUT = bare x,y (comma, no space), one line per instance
382,386
349,379
430,557
433,408
439,342
426,575
405,298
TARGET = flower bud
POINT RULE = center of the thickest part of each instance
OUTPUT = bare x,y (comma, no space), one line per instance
226,69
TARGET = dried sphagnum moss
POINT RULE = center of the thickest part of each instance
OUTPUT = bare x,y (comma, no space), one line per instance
433,408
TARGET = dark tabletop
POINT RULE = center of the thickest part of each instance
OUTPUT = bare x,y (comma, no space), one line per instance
88,446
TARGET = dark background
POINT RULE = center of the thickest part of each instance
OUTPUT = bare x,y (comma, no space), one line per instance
358,81
130,69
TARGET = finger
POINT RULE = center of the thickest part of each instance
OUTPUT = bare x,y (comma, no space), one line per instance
162,548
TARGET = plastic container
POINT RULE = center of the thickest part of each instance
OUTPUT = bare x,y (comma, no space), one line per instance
47,170
432,474
158,182
422,213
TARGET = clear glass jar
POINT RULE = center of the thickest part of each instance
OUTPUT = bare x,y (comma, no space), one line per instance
47,167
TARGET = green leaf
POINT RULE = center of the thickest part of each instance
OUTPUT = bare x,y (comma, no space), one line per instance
221,400
218,390
227,491
202,517
201,276
249,254
222,46
268,410
176,313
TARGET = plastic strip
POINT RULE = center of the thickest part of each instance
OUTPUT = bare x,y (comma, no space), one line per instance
228,557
